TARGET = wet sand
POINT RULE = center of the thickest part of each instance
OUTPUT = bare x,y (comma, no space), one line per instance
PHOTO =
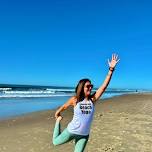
121,124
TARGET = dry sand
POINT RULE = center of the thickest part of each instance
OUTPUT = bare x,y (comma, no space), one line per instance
121,124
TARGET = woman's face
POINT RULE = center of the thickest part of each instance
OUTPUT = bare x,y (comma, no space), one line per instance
87,88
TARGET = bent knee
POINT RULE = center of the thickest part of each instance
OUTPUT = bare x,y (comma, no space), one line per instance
55,143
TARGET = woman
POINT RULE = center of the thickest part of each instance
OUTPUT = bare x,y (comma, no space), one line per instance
83,103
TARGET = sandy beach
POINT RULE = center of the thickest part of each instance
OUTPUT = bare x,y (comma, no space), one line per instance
121,124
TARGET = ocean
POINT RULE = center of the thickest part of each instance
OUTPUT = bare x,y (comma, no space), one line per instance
17,100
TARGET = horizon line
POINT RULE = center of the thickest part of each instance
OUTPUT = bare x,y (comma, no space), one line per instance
36,85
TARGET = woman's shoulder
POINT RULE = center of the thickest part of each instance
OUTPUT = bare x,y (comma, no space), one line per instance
73,100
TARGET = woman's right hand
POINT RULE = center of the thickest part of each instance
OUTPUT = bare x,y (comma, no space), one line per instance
57,114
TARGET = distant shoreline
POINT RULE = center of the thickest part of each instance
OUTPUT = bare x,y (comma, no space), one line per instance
43,111
14,107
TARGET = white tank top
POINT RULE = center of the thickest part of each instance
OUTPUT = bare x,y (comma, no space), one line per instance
82,118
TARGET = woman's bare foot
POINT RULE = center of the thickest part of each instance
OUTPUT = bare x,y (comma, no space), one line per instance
59,118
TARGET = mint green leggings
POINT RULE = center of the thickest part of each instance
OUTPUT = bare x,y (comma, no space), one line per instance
61,138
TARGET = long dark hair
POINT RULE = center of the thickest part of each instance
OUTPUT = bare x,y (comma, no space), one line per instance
79,90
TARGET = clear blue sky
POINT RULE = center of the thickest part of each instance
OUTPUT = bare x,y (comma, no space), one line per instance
59,42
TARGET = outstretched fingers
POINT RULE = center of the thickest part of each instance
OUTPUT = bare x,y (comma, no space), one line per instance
115,57
108,62
112,57
118,60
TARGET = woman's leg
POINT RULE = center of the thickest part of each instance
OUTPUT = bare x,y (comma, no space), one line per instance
80,143
61,138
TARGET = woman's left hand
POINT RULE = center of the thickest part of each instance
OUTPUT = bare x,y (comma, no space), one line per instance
114,61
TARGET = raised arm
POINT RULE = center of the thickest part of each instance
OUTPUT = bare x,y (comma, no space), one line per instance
102,88
70,102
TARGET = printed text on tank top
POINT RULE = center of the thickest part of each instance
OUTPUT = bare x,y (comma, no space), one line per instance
85,108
